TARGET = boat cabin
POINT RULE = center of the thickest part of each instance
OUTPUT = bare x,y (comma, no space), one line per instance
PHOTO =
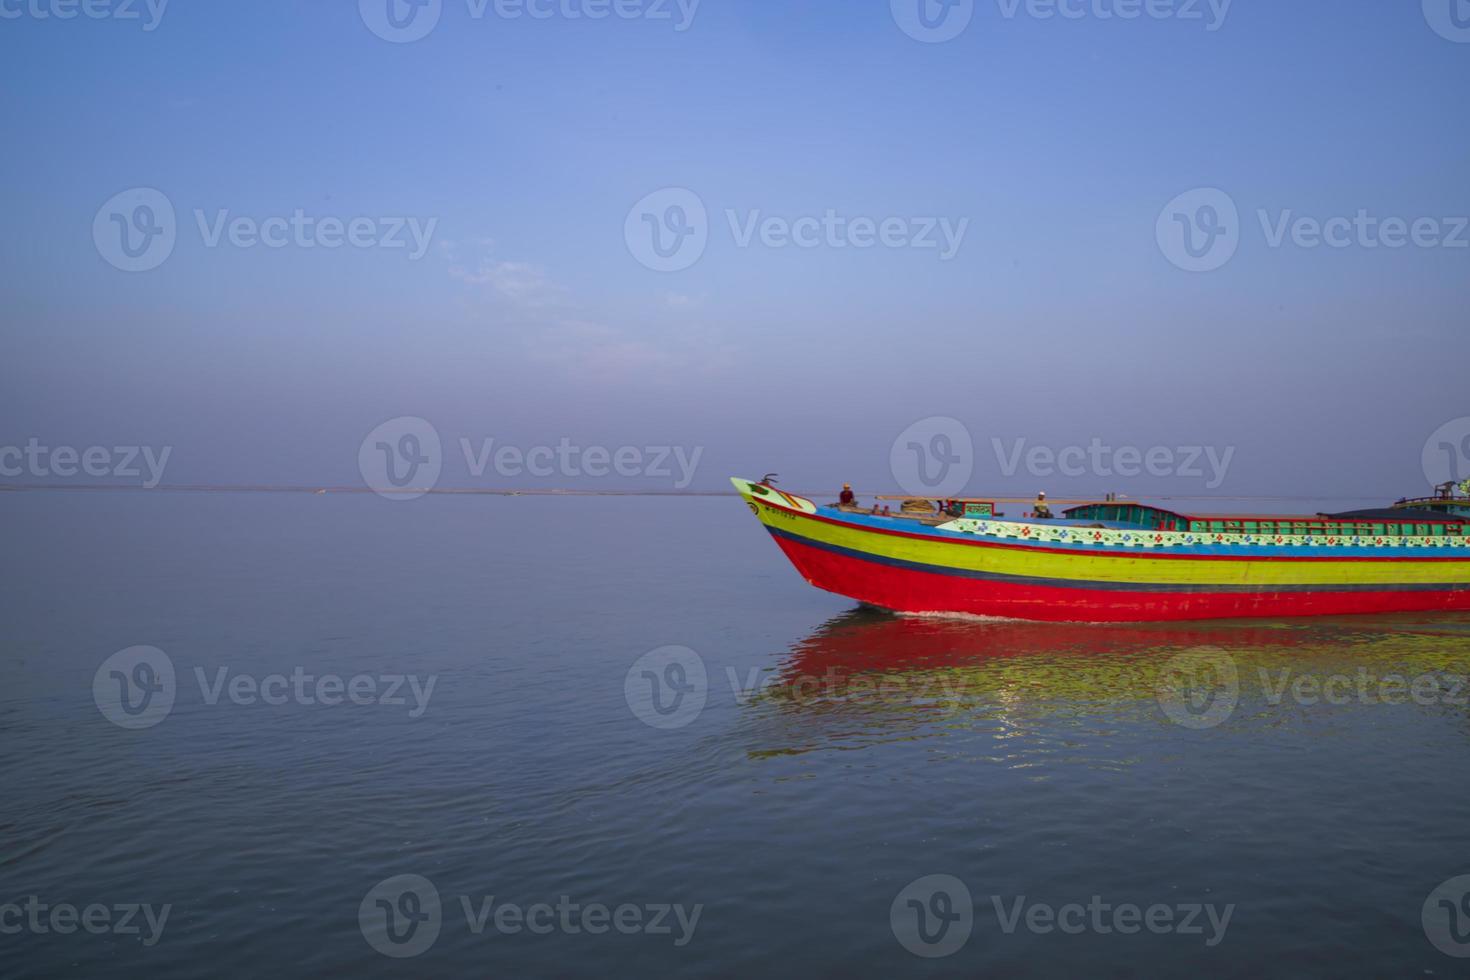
1371,523
1444,501
948,508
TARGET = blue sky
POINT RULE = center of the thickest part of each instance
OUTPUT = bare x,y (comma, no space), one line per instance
529,319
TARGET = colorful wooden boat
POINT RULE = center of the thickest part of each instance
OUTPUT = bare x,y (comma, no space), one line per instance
1126,562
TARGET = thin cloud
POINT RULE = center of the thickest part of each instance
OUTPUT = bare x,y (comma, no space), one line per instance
557,333
521,282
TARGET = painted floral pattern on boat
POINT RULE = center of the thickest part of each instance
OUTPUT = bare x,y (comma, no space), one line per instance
1166,539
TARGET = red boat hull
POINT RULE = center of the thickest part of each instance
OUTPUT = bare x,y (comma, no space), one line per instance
915,591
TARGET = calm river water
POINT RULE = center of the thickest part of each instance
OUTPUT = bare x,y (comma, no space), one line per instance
328,736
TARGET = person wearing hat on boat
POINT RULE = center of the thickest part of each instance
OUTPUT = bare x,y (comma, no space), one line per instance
1041,509
847,498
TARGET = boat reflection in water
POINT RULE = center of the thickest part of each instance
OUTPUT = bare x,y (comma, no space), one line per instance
867,677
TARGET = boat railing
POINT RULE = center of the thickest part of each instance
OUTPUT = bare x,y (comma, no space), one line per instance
1429,501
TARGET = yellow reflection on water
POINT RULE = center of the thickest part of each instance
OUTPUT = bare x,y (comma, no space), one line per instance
867,677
